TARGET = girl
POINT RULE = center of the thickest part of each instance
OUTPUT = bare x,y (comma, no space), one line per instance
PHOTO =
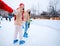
18,25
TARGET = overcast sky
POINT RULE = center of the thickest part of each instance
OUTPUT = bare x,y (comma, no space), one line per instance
42,4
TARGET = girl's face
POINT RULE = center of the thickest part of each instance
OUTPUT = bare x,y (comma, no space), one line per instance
22,8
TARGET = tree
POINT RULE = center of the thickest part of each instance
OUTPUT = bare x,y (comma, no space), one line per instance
52,7
33,10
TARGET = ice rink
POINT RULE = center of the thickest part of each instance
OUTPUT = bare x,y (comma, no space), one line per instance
41,33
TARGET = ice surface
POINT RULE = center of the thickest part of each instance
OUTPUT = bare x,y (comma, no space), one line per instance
41,33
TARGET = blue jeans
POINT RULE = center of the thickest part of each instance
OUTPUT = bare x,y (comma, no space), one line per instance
26,26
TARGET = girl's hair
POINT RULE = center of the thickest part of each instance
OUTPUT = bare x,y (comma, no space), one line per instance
23,15
29,13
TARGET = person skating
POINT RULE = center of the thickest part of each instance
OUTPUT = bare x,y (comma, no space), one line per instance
0,24
18,25
27,22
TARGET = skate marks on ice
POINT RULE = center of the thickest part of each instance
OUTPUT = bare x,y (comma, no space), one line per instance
11,44
53,24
